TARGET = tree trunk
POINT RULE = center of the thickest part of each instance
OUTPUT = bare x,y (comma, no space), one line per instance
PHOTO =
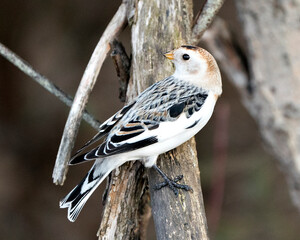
169,25
271,30
157,26
268,76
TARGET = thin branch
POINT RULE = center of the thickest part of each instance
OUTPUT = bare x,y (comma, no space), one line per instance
85,87
205,17
44,82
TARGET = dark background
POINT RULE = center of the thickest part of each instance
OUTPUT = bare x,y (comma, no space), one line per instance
57,38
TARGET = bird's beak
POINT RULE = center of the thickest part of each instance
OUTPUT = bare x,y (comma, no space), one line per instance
169,55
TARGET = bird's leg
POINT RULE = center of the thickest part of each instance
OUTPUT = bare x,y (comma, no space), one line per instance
170,183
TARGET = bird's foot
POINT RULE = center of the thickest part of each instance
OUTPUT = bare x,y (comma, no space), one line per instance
173,185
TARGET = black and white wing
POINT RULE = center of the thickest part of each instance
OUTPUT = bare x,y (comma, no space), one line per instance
104,129
145,123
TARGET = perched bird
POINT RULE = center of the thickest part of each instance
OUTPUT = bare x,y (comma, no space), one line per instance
164,116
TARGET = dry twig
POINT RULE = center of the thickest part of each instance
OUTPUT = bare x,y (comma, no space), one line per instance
44,82
86,85
205,17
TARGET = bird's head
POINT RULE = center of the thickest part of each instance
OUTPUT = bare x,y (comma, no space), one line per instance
196,65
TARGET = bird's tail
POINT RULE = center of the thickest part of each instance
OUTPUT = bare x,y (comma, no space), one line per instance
77,198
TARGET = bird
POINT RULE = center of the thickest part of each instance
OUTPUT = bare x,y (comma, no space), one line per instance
161,118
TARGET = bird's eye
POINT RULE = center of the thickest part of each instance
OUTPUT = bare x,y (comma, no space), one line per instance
185,57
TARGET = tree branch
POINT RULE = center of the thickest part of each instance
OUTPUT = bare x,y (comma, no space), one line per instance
205,17
86,85
44,82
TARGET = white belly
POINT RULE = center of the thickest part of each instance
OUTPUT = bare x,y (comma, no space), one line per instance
172,134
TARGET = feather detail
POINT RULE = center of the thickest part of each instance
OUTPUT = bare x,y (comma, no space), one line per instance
77,198
134,125
104,129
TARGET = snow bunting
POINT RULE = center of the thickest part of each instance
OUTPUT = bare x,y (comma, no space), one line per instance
164,116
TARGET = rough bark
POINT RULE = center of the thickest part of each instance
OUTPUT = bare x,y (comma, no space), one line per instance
157,26
182,217
124,206
269,82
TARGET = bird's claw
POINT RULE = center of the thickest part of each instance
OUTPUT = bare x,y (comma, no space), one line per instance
173,185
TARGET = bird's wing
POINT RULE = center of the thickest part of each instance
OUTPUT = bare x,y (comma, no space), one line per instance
141,125
104,129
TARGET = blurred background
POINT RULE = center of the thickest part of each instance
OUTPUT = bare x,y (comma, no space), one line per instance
57,38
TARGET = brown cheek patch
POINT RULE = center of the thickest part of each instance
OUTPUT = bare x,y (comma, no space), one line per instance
194,72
